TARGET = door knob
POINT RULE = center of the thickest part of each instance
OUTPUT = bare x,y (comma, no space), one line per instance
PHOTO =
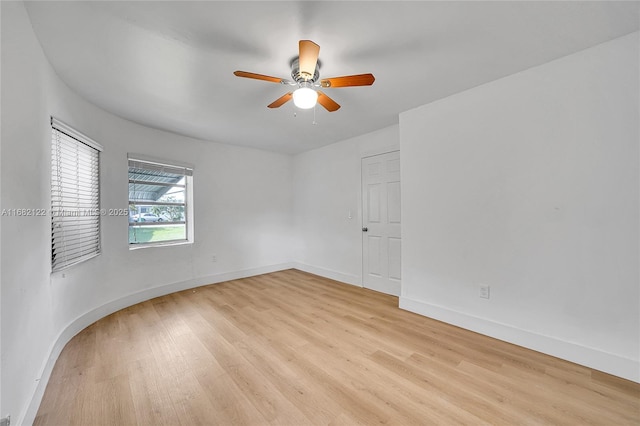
365,229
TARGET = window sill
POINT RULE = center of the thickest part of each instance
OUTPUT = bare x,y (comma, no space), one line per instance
159,244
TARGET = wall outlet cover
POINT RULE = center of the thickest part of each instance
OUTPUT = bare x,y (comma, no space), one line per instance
484,291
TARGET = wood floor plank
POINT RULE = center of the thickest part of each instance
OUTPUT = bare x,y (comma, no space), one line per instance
292,348
151,400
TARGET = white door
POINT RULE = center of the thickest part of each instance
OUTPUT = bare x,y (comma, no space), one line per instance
381,246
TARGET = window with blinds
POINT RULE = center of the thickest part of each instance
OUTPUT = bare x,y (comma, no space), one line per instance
75,196
159,202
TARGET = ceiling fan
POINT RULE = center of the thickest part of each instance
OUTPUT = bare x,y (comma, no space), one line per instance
306,76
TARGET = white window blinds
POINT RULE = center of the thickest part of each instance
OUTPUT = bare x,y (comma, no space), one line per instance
75,196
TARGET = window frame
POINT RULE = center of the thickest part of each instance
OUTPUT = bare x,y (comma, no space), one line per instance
72,241
140,160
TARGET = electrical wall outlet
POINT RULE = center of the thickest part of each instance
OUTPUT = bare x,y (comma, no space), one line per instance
214,258
484,291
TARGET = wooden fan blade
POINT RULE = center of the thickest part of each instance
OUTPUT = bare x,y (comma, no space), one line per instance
257,76
348,81
328,103
308,58
281,100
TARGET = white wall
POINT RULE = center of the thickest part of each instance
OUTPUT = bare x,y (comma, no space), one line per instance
26,292
326,188
243,205
530,184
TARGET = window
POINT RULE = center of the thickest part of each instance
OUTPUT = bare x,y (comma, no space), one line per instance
160,208
75,196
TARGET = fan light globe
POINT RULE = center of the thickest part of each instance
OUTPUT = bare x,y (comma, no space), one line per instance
305,98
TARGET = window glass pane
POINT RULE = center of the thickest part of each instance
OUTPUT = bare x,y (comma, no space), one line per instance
157,202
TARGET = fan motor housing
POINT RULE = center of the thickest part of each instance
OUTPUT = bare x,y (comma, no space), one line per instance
299,77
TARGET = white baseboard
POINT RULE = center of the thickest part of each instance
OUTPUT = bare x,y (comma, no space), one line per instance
328,273
95,314
589,357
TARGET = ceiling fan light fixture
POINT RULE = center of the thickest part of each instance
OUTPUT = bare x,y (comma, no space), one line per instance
305,72
305,98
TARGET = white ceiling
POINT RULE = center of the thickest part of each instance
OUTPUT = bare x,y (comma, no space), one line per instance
169,65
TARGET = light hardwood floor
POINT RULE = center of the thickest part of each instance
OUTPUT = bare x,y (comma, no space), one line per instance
292,348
